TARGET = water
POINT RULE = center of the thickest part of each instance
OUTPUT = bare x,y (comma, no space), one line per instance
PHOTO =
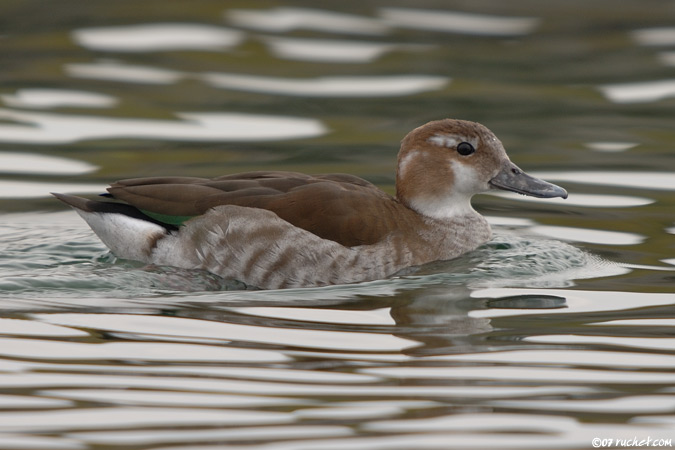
557,332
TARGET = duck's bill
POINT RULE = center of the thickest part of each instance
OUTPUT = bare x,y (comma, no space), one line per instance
511,178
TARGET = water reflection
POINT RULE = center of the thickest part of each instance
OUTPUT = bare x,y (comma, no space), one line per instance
587,235
578,301
647,91
586,200
662,343
285,19
373,86
633,179
157,37
30,163
119,71
105,418
55,98
333,51
372,317
243,434
195,126
611,147
655,36
459,22
667,58
37,189
20,327
198,329
43,349
644,404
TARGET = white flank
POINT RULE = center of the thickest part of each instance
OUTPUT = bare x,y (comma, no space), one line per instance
125,236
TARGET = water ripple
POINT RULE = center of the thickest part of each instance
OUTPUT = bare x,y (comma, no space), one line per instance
31,163
459,22
333,51
53,98
157,37
120,71
285,19
193,126
646,91
371,86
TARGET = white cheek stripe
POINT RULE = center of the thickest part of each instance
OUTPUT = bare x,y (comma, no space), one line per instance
451,140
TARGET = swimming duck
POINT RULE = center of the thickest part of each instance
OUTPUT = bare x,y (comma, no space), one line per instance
284,229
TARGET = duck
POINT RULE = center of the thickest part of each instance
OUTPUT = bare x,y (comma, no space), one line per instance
277,230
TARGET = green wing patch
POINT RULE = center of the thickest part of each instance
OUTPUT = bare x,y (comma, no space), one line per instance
166,218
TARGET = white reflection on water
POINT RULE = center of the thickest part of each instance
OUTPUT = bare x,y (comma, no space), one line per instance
52,98
651,342
145,351
255,373
173,436
509,373
102,418
589,200
334,51
30,163
459,22
16,441
648,91
195,126
36,189
642,180
655,36
17,327
490,430
168,398
374,317
386,391
611,147
575,234
174,326
25,402
638,404
384,86
639,322
157,37
119,71
286,19
571,357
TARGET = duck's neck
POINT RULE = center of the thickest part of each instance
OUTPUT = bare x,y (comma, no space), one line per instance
457,234
453,207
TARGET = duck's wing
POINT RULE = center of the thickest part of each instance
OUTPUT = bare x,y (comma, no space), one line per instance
342,208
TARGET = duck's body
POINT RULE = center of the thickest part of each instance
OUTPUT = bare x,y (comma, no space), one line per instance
283,229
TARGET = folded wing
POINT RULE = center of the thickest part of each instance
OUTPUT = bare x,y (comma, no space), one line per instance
343,208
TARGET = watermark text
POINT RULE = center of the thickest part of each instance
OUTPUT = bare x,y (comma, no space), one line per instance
630,442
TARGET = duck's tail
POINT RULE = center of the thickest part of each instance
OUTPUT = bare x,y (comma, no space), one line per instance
125,230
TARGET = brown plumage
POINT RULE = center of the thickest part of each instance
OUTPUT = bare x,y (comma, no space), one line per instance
286,229
343,208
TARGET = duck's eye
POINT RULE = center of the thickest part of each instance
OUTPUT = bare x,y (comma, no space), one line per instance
465,149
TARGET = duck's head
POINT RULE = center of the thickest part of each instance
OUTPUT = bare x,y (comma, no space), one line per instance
442,164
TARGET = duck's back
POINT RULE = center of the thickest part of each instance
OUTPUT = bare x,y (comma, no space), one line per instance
338,207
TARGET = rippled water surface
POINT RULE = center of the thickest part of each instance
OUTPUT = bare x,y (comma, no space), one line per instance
559,333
